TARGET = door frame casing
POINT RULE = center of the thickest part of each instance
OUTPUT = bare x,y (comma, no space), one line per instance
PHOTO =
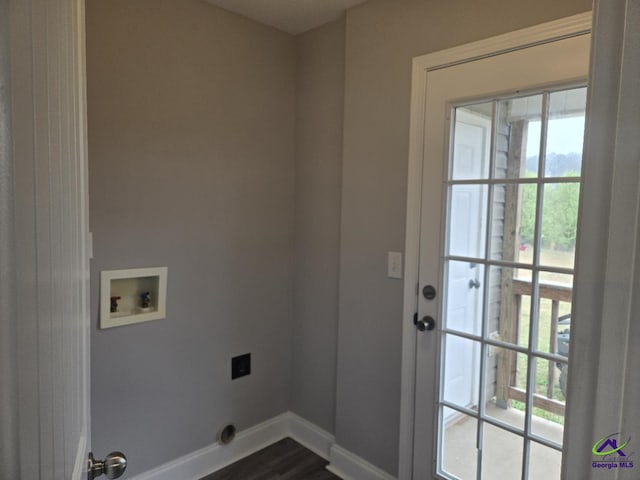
563,28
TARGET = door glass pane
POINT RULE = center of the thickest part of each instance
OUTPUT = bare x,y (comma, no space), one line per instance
506,386
509,298
472,142
565,133
554,318
529,221
544,462
513,219
467,220
547,420
459,439
465,289
461,373
501,453
518,137
559,224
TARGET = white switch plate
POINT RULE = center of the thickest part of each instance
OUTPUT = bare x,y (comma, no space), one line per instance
394,264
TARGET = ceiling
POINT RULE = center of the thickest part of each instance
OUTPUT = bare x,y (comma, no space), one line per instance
292,16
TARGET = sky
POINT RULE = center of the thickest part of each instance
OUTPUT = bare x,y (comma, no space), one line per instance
565,135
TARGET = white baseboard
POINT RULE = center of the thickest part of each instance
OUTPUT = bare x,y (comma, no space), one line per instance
349,466
207,460
309,435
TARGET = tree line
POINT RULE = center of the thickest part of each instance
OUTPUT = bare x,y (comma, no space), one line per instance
559,213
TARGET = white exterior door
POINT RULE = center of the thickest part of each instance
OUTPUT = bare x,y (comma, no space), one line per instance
471,149
456,361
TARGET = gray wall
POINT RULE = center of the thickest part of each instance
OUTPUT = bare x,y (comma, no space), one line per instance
382,36
320,91
191,145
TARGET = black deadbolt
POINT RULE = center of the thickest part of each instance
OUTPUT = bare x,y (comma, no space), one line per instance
429,292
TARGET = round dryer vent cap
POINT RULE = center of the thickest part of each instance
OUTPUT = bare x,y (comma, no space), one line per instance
227,433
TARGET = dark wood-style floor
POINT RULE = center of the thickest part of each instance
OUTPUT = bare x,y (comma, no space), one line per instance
284,460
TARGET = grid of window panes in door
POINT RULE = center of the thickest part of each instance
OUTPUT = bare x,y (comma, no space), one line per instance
512,205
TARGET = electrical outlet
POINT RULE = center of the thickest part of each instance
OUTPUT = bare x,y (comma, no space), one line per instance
240,366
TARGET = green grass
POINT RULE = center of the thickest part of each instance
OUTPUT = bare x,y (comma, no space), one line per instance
539,412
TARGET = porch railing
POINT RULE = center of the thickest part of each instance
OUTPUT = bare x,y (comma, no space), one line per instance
506,387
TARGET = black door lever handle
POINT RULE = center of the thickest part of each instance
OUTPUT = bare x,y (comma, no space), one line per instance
427,323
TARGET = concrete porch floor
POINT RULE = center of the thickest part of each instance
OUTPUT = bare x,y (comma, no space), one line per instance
502,458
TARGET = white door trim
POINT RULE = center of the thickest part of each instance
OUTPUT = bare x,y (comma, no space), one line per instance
544,33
